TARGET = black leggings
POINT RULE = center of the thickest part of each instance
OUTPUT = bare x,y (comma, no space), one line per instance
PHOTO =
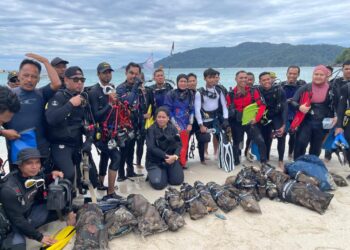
257,138
127,156
312,133
140,142
160,175
237,137
266,131
204,138
107,154
66,159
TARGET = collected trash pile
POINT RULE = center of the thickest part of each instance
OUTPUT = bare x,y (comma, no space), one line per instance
305,184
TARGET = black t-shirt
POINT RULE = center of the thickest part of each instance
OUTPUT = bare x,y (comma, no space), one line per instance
32,114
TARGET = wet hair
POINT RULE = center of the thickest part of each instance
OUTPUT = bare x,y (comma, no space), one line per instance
294,67
132,64
241,71
191,74
158,70
8,100
330,68
209,72
32,62
162,109
347,62
181,76
263,73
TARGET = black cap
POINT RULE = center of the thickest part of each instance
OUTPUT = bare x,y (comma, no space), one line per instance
12,74
57,61
103,66
72,71
26,154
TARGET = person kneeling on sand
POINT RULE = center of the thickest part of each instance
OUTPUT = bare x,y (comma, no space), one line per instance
22,196
163,150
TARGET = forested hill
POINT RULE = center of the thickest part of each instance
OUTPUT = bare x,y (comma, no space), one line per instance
251,54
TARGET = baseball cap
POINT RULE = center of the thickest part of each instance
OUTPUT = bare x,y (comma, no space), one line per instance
103,66
72,71
58,60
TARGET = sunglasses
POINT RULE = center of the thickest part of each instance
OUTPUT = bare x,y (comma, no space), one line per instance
34,182
77,79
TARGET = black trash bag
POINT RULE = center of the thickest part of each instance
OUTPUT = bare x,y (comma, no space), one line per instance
245,198
246,178
300,176
222,197
174,220
193,205
306,195
119,222
276,177
173,197
205,196
148,217
339,180
91,232
271,190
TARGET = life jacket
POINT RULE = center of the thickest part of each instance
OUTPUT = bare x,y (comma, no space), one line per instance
215,113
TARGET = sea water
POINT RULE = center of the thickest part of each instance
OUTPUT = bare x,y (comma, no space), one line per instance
227,75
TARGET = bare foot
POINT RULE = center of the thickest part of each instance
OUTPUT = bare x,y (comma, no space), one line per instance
206,157
203,163
71,219
281,165
139,166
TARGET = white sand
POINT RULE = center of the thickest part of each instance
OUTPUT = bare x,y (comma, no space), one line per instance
280,226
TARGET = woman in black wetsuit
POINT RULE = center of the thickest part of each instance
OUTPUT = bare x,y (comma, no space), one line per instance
163,149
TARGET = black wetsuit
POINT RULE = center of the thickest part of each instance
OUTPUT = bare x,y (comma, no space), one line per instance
290,89
159,143
131,94
277,111
100,109
311,129
66,128
25,208
343,105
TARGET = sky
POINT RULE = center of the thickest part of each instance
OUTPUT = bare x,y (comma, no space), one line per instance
88,32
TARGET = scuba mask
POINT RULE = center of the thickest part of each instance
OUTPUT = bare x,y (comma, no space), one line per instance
209,94
108,89
34,182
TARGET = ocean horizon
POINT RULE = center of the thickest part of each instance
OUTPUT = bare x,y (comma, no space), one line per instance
227,75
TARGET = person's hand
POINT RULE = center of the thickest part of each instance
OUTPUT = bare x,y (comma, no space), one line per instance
338,131
203,128
56,174
281,130
304,109
189,128
37,57
334,121
48,240
253,121
75,100
112,97
146,116
170,159
10,134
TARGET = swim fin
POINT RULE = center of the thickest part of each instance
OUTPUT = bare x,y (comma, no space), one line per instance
63,236
226,156
249,113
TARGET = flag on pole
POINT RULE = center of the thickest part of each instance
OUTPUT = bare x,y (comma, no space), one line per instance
172,49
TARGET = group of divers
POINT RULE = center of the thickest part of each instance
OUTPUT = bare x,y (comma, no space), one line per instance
68,118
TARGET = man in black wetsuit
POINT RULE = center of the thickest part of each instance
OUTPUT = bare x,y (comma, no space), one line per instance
101,97
129,92
276,106
60,66
22,196
66,117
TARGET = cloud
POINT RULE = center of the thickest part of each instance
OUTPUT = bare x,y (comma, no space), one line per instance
86,32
